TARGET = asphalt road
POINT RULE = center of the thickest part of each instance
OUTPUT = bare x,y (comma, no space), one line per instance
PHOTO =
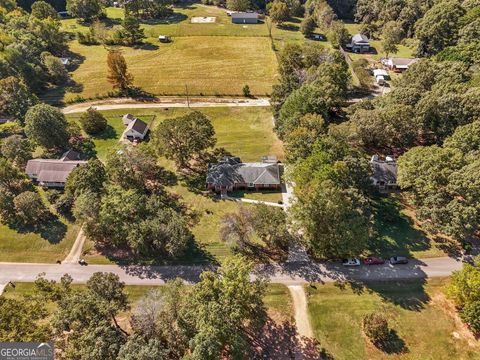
288,274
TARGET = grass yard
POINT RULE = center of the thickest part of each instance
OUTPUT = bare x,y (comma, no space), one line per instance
429,330
46,246
269,196
244,131
396,232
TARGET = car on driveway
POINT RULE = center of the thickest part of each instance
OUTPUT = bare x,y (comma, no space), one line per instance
396,260
373,260
351,262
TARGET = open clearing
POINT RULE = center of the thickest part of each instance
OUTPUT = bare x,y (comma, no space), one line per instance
417,311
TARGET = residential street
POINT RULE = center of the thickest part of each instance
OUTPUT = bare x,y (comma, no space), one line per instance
288,274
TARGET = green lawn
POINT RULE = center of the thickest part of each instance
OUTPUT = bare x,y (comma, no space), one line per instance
396,233
48,246
244,131
423,319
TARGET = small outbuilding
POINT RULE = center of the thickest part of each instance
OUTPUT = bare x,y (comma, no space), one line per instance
244,18
380,75
164,38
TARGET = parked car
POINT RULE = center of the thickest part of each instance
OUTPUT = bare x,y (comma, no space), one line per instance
373,260
395,260
82,262
351,262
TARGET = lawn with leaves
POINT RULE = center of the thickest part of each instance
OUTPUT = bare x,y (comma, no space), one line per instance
425,323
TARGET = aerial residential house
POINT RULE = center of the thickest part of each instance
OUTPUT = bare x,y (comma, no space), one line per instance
384,176
53,172
65,61
135,129
244,18
359,44
231,173
399,64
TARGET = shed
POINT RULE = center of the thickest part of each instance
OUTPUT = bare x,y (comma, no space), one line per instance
135,130
164,38
244,18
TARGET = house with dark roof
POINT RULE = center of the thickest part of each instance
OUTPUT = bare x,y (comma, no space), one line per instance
359,43
135,130
231,173
244,18
384,176
53,172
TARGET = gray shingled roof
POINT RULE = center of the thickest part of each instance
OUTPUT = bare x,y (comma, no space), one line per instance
385,171
137,125
51,170
245,15
231,171
359,38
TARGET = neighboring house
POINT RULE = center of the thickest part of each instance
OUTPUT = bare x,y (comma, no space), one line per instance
53,172
65,61
359,44
380,76
230,174
136,129
399,64
384,176
244,18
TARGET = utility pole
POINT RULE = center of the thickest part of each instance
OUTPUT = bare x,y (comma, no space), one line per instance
186,92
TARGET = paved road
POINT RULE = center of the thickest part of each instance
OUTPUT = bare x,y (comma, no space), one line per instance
165,102
288,274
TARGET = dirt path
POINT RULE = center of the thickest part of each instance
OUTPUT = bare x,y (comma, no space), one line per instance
76,250
302,321
164,102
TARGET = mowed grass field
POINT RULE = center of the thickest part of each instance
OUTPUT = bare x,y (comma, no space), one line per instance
424,320
206,65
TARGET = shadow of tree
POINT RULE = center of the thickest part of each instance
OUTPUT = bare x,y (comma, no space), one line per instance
281,341
394,344
394,233
289,27
50,229
108,133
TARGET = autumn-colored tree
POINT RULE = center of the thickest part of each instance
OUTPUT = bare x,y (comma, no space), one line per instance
118,74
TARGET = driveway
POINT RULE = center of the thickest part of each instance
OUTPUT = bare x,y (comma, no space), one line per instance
288,274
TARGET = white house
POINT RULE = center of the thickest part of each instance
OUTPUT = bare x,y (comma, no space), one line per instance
136,129
359,44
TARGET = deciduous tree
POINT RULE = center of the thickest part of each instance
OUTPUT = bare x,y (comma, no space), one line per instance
93,122
47,126
118,74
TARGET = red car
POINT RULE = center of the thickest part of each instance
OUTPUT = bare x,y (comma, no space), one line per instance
373,260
